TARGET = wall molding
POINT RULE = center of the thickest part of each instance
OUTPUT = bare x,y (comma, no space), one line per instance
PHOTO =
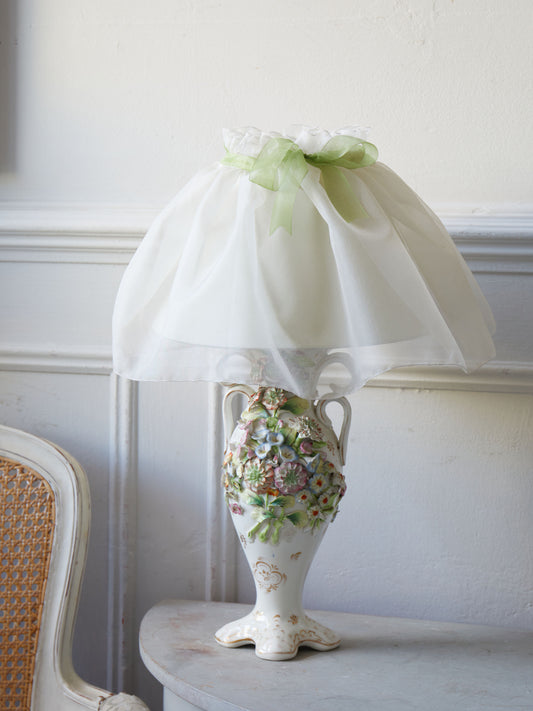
496,376
122,526
221,548
67,360
497,242
493,243
79,234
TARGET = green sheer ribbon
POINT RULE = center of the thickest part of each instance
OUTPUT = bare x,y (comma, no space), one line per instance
282,165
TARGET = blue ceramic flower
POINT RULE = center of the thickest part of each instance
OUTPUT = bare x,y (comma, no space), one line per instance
287,453
262,450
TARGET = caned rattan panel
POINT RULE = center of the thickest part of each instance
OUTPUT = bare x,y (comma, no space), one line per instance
27,518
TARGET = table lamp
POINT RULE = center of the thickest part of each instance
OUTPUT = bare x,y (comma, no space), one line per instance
293,271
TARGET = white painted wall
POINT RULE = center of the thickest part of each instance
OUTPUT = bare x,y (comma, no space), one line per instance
107,109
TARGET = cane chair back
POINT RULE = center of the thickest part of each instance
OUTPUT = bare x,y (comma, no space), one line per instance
44,530
27,521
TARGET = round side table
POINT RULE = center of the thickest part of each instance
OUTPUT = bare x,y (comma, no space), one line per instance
382,664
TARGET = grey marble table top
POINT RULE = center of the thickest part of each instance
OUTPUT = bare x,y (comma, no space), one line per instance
383,664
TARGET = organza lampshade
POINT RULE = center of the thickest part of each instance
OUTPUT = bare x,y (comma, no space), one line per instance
297,267
212,295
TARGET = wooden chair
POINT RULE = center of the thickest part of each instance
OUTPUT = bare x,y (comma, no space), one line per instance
44,527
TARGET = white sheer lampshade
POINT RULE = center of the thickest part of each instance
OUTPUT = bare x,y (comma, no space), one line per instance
215,293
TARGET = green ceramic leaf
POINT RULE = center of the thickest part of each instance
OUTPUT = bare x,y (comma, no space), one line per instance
269,513
296,405
298,518
289,435
254,412
284,501
256,500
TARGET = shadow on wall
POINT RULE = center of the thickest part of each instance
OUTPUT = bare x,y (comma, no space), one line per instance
8,94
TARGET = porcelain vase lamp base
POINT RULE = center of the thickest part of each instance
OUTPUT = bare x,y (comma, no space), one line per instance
283,485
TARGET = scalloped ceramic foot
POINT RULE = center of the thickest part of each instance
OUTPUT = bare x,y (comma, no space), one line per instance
275,638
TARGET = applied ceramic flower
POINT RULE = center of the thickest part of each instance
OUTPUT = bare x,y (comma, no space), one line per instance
280,449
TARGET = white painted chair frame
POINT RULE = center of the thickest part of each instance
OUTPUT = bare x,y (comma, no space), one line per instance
56,686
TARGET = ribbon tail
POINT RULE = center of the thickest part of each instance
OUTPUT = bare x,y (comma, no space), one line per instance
293,170
282,210
341,193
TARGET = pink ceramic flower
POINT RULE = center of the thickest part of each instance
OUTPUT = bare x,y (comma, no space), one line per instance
290,477
243,432
306,446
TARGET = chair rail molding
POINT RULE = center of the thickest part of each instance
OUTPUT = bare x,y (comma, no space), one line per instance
88,360
500,240
80,234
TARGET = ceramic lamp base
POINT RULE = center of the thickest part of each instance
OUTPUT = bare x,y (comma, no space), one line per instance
277,638
283,482
278,624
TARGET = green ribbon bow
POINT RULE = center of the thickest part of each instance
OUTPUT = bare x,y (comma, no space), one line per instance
282,165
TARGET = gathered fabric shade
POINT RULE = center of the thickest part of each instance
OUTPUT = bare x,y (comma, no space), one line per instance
293,285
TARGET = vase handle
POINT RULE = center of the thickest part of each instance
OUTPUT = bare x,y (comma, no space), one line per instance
342,439
228,417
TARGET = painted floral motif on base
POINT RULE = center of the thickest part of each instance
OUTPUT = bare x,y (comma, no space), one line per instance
268,575
278,462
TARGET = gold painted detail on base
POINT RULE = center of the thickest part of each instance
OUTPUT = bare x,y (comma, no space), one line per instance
268,575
